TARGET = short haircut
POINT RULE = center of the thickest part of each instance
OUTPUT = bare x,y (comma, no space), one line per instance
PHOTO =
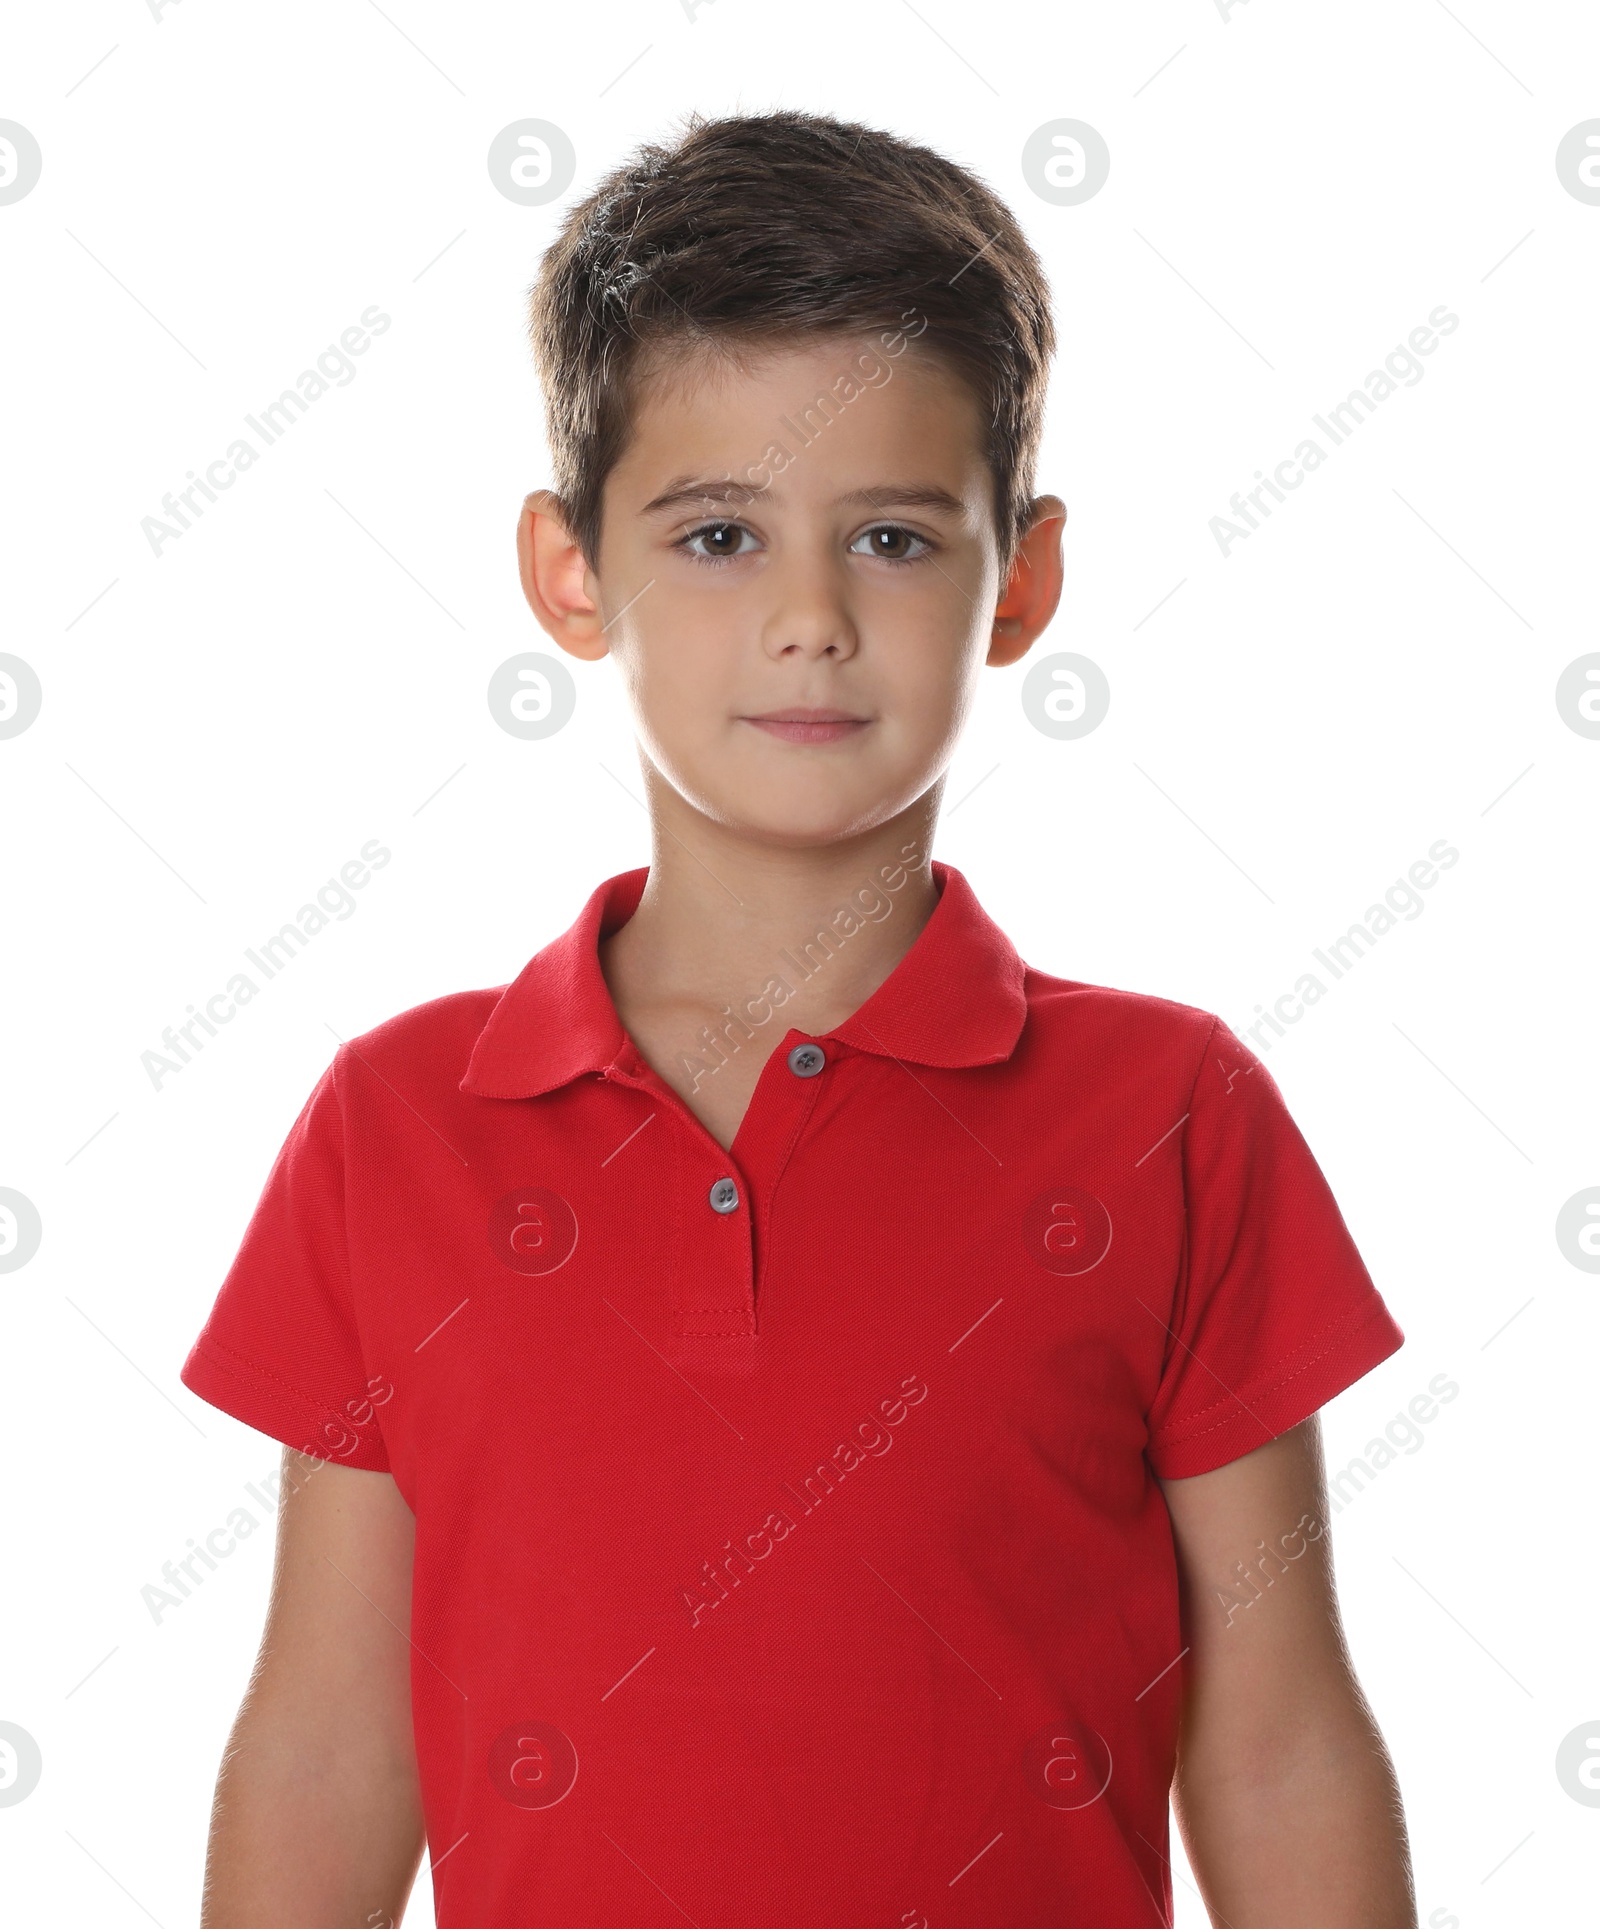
759,231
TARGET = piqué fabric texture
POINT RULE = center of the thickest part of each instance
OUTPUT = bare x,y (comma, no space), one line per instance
789,1541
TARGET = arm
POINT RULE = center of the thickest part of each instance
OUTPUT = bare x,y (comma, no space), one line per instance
1284,1792
317,1819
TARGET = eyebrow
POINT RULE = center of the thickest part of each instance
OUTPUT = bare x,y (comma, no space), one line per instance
693,491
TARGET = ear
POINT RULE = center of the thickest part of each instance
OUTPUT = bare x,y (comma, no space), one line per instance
1034,587
560,587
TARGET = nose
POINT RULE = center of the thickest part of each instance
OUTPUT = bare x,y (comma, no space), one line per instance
808,614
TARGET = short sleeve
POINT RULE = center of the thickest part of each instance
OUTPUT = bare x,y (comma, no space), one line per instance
281,1350
1275,1311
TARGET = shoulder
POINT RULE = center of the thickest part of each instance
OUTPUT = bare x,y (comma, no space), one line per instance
426,1045
1137,1028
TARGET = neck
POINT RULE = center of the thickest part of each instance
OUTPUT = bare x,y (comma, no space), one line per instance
723,919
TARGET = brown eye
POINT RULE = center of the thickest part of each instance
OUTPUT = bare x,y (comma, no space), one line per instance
891,544
715,542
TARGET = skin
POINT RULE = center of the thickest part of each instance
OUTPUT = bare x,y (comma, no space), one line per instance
317,1818
1284,1792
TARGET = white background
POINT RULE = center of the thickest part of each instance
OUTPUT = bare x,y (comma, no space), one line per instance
225,190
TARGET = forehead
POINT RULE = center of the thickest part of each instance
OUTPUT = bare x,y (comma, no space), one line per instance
839,400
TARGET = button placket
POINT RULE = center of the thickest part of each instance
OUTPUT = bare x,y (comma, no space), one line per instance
709,1269
781,1123
722,1233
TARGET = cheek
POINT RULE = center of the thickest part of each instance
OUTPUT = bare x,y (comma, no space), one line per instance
926,690
927,656
678,681
681,733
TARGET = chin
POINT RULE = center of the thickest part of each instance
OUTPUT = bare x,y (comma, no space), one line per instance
790,808
812,822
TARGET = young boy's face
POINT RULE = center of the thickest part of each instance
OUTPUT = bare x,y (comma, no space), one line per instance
856,573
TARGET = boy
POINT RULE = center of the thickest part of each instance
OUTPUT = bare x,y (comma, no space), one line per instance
805,1418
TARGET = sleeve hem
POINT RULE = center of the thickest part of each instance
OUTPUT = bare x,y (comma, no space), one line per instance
239,1387
1335,1360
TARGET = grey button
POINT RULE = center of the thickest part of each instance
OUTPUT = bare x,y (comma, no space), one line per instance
724,1196
805,1061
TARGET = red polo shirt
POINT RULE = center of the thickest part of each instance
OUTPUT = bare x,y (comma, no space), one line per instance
789,1547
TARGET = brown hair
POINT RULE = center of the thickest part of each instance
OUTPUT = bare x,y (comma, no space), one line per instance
757,229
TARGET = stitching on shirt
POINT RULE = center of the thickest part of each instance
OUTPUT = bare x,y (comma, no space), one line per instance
312,1413
217,1347
1351,1322
261,1372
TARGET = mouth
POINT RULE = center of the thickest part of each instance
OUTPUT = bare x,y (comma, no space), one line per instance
808,726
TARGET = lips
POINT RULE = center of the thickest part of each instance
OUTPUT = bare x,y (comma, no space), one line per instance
801,725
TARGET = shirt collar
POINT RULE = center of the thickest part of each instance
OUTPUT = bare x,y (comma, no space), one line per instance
956,998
